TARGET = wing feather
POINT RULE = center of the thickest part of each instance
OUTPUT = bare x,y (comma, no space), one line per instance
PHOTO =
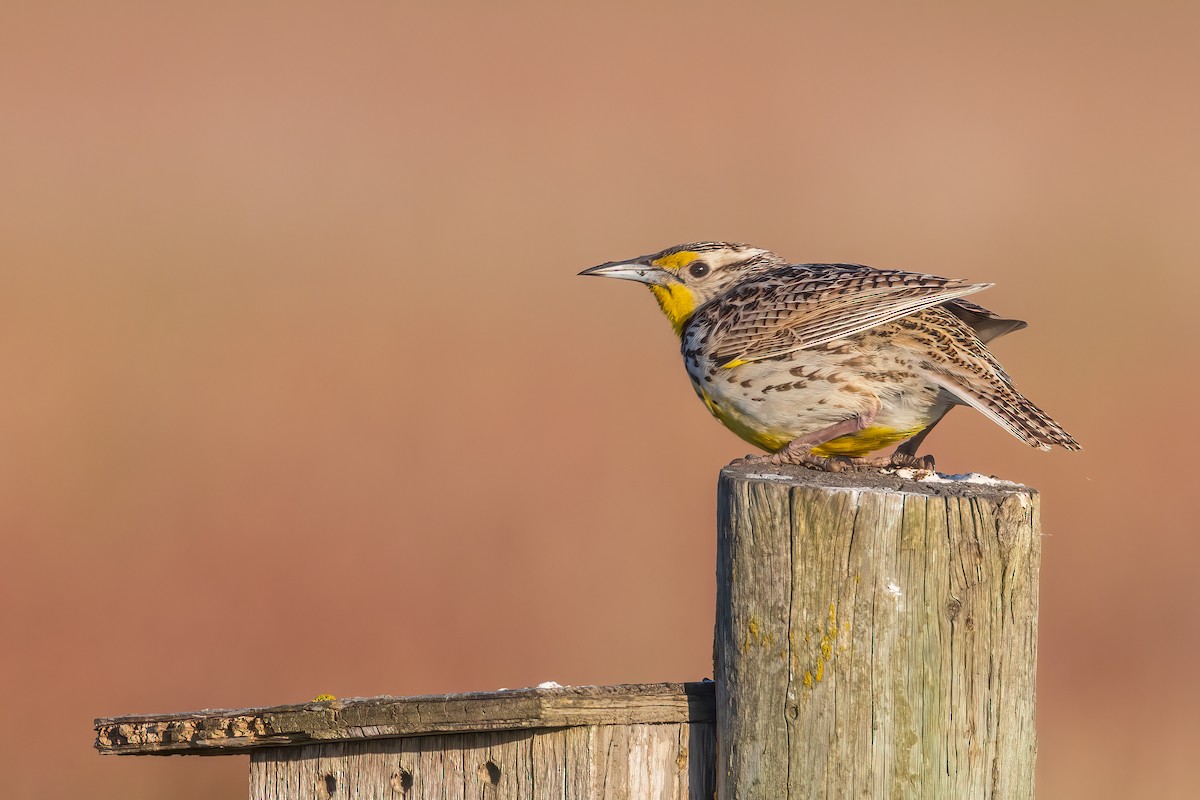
804,306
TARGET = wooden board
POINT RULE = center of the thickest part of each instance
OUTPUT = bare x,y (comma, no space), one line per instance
222,731
672,761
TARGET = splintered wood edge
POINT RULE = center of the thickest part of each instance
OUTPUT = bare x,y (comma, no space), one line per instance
937,485
225,731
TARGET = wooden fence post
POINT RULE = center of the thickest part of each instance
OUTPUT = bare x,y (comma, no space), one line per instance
876,637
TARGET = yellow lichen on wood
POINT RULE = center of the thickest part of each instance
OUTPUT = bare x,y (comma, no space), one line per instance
751,634
755,635
825,651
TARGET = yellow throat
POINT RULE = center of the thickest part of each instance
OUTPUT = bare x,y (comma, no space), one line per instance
677,302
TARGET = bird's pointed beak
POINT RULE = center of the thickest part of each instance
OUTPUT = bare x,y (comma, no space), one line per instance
640,271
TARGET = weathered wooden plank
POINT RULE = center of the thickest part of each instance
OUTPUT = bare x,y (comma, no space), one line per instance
551,769
671,761
219,731
876,637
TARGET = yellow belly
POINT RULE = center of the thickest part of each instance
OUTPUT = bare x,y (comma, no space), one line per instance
865,441
856,444
759,437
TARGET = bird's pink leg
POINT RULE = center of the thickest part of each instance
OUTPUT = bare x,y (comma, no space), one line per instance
799,450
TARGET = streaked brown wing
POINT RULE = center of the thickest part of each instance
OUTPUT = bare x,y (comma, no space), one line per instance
804,306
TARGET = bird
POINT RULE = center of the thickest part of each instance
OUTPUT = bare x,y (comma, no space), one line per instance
823,365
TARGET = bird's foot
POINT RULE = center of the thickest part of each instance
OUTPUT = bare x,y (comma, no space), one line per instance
894,461
869,462
797,456
912,461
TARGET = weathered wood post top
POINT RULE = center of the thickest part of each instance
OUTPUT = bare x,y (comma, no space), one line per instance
876,635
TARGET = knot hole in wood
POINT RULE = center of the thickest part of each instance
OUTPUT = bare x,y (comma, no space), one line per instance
489,772
402,782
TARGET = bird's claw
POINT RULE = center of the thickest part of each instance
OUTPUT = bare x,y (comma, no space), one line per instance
798,459
910,461
805,458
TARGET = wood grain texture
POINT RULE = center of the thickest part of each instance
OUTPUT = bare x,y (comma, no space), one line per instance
222,731
671,761
875,638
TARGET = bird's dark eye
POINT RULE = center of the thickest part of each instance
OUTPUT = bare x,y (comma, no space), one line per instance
698,269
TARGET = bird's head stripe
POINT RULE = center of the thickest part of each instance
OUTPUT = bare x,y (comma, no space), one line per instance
677,260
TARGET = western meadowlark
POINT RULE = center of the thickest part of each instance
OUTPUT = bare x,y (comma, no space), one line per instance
823,364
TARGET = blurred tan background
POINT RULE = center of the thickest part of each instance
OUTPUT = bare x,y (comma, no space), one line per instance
301,393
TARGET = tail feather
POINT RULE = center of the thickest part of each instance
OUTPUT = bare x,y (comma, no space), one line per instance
987,325
967,370
1013,411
